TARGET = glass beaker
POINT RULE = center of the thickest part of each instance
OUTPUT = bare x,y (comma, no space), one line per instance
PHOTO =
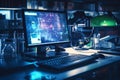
96,40
2,38
8,50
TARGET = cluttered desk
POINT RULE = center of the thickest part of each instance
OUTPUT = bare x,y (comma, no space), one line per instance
96,64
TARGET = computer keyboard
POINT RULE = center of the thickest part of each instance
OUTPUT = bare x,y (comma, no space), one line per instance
70,61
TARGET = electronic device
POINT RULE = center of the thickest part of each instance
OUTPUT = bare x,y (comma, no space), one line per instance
70,61
44,28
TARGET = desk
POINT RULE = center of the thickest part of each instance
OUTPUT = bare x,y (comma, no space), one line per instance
74,74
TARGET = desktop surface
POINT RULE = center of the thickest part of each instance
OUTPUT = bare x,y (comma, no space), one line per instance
69,74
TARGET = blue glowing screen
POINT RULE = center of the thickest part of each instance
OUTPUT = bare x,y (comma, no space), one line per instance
45,27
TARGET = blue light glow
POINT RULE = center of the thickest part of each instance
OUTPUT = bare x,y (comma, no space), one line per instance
35,75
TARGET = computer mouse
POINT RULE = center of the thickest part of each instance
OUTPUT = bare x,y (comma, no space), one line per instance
98,55
102,56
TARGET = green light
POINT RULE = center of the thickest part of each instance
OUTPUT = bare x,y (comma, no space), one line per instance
103,20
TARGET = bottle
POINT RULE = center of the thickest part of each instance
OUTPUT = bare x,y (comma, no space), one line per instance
96,38
8,50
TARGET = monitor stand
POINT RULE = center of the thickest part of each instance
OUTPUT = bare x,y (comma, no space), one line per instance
43,53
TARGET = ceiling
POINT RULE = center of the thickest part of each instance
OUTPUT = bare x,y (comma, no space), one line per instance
101,5
106,5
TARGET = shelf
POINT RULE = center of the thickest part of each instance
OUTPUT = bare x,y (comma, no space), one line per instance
11,30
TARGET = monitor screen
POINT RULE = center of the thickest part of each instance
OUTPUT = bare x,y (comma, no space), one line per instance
43,27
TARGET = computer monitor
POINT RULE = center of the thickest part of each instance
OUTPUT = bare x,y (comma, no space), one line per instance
43,28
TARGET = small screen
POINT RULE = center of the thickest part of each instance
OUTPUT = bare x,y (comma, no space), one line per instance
6,13
45,27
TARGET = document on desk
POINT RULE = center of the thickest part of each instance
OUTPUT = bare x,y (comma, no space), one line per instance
85,52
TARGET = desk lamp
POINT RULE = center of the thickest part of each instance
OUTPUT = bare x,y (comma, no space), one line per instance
103,20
